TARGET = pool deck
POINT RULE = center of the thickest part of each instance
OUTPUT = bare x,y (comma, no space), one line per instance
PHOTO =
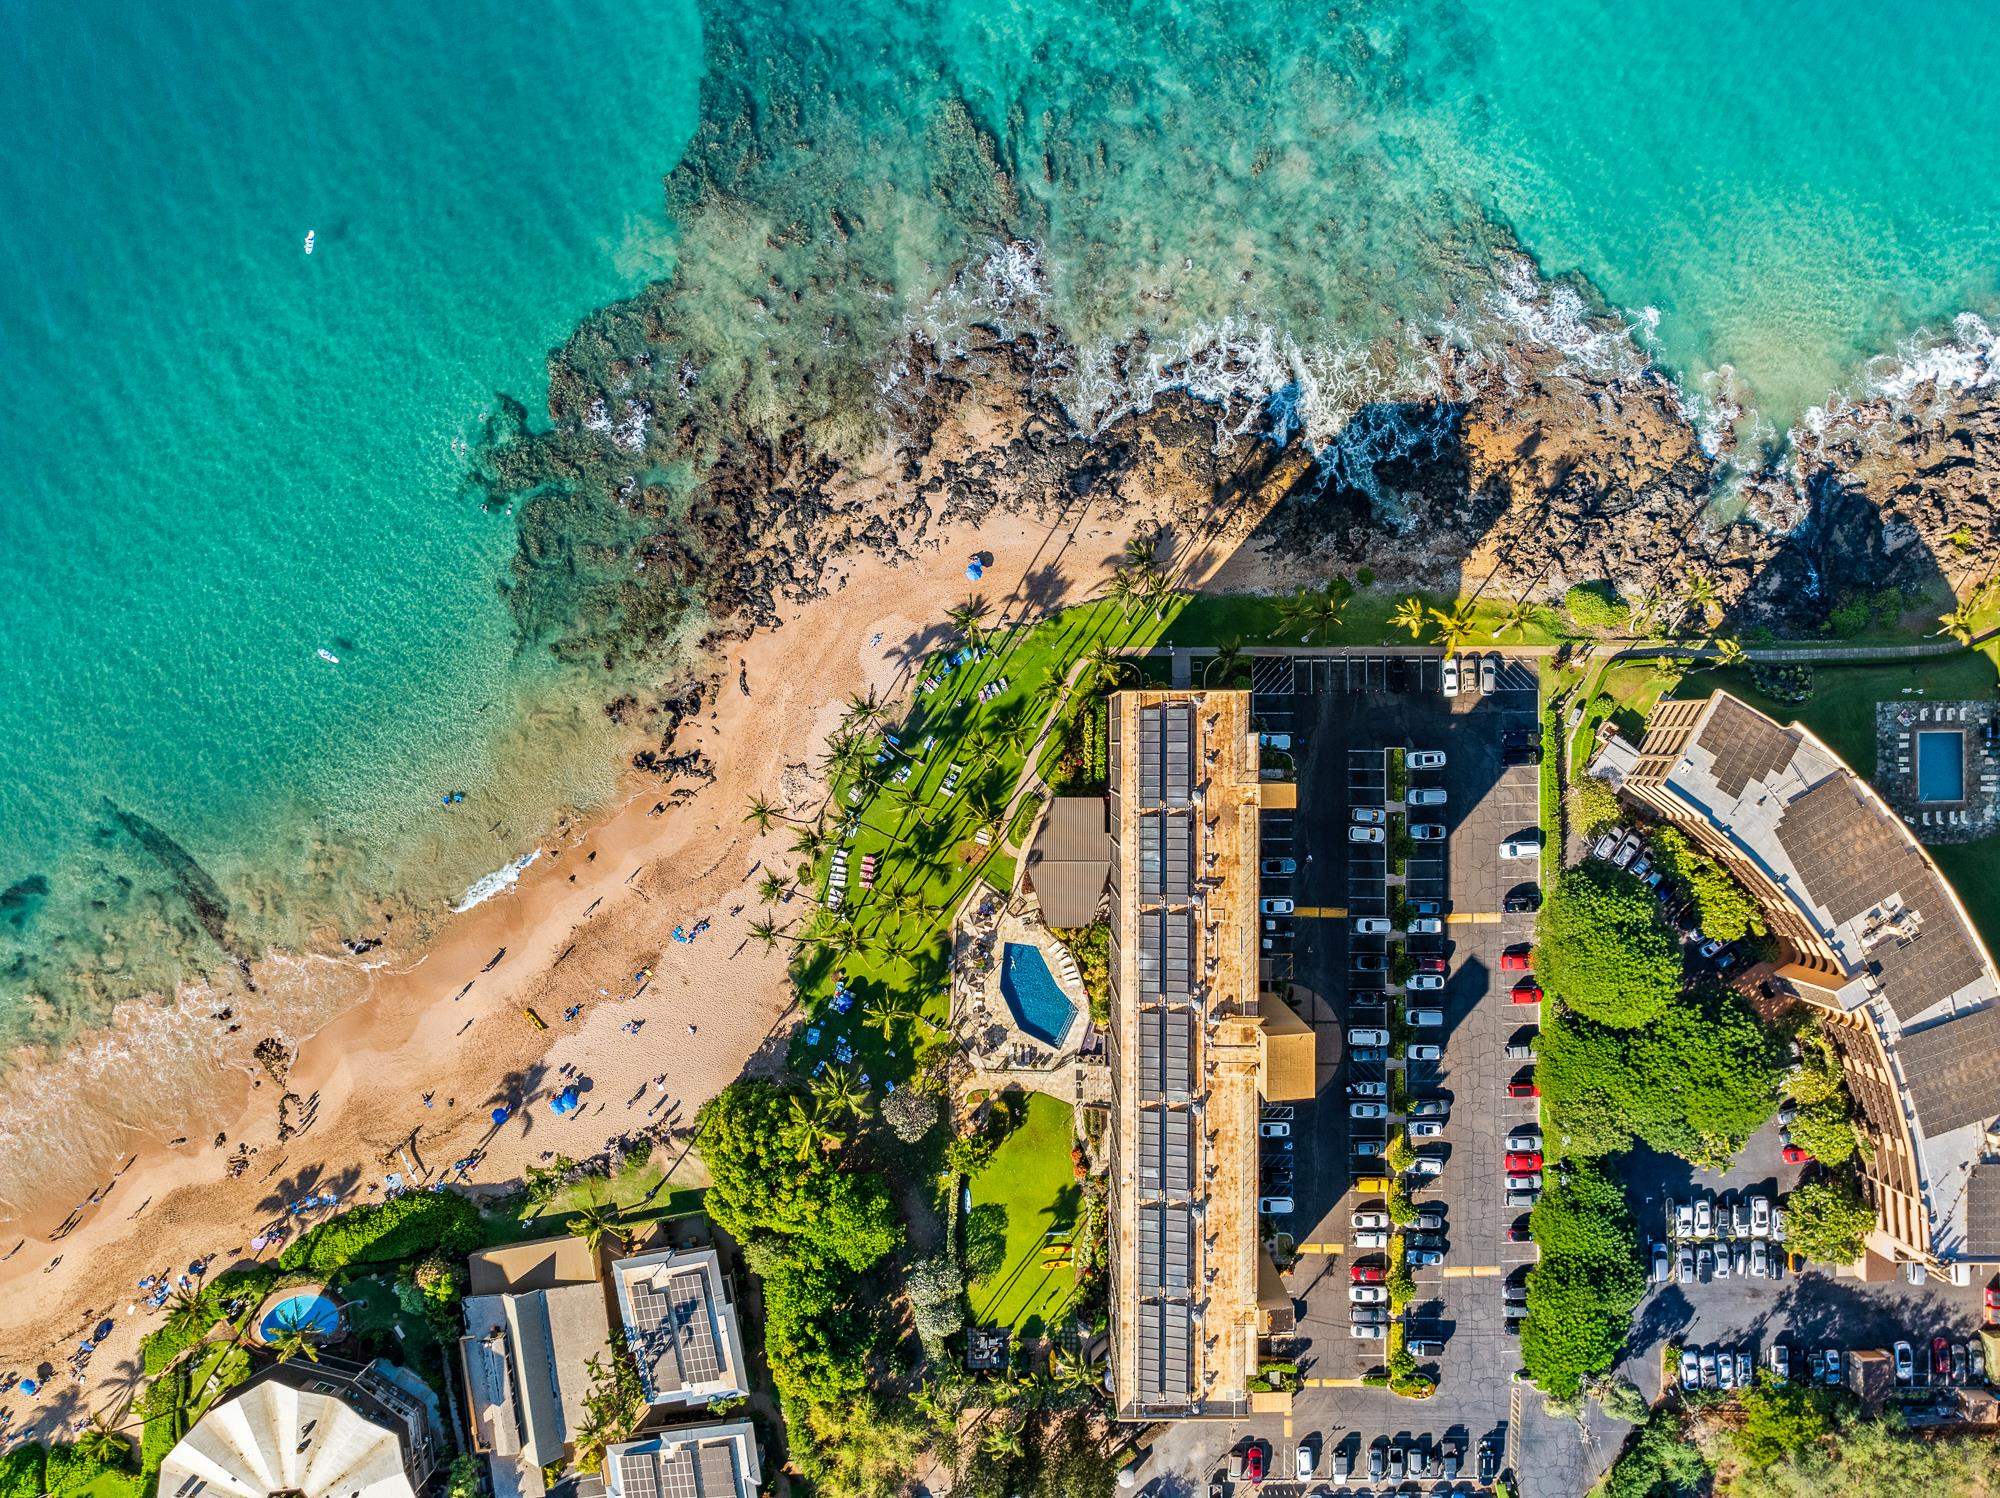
1001,1053
1898,727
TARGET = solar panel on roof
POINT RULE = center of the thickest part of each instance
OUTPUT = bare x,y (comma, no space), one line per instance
677,1468
1152,782
1982,1212
1152,1149
1151,854
1178,865
1177,1350
1177,1153
1923,972
1178,749
1747,745
718,1469
1166,1054
636,1477
673,1331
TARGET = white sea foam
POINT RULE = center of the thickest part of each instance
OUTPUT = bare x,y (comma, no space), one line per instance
496,883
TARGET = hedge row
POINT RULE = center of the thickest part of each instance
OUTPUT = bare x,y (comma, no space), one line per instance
63,1472
383,1232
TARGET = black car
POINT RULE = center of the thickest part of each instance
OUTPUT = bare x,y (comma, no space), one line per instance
1424,1240
1528,899
1489,1459
1521,754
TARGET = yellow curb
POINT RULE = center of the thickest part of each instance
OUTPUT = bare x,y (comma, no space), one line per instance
1320,912
1335,1383
1320,1248
1485,1271
1473,918
1457,1272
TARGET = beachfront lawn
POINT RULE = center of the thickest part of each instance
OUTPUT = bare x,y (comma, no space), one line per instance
669,1182
889,945
1024,1205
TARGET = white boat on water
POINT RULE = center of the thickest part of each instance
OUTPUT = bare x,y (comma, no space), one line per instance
309,241
329,657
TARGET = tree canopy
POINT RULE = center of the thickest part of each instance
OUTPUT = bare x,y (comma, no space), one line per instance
1828,1219
1603,950
1722,909
1696,1082
1582,1290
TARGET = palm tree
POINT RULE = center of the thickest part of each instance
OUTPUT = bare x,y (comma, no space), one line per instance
1228,655
818,1125
1959,623
1456,627
1410,614
765,930
809,841
101,1443
1142,552
892,1009
1728,651
967,617
293,1341
762,813
1102,667
1073,1374
1314,610
842,1090
774,888
846,756
1002,1441
1701,595
597,1220
1516,620
864,710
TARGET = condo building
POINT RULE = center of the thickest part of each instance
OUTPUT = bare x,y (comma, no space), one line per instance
1872,936
1196,1045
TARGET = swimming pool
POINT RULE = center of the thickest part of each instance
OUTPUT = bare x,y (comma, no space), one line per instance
1040,1006
1941,766
309,1311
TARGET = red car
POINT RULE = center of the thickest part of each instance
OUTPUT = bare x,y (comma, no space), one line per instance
1521,1164
1518,1233
1433,965
1517,959
1523,1089
1365,1274
1253,1463
1940,1360
1794,1155
1993,1302
1527,992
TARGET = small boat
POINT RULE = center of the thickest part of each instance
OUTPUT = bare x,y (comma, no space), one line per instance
328,656
309,241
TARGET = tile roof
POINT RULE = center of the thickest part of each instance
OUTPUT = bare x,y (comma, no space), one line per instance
1982,1211
1952,1071
1747,745
1849,856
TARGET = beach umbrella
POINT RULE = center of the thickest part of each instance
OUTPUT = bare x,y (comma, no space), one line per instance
975,569
501,1114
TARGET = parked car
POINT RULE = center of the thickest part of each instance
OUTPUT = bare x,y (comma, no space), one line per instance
1307,1463
1489,676
1523,1160
1367,1274
1627,850
1425,795
1368,925
1526,1181
1431,1218
1522,900
1367,1037
1425,759
1427,832
1274,1206
1519,959
1371,962
1427,1165
1432,965
1426,925
1959,1362
1368,1295
1425,982
1760,1216
1424,1257
1430,1107
1721,1261
1794,1155
1526,1137
1378,1461
1993,1302
1425,1128
1709,1377
1371,1053
1704,1217
1710,947
1641,867
1427,1019
1684,1265
1367,1110
1253,1462
1275,1130
1275,740
1780,1359
1977,1361
1368,1218
1527,991
1521,754
1906,1363
1704,1263
1739,1258
1371,1239
1725,1371
1359,834
1743,1368
1662,1264
1760,1259
1518,1050
1519,1232
1279,868
1278,905
1520,1089
1368,1089
1521,1198
1690,1370
1683,1213
1425,1053
1369,816
1522,845
1830,1368
1425,907
1448,677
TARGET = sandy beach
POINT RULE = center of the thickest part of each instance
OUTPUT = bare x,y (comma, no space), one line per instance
402,1082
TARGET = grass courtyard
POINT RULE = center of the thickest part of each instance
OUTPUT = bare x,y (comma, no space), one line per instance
1024,1204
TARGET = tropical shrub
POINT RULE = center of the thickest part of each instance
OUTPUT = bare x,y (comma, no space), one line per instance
1582,1289
383,1232
1828,1219
1596,605
1721,907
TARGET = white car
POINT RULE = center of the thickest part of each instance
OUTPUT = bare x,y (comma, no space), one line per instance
1371,1238
1307,1463
1427,832
1277,906
1704,1218
1684,1220
1368,1333
1367,1089
1532,1181
1626,850
1448,677
1780,1357
1367,1037
1690,1371
1367,1110
1371,1219
1275,1206
1606,845
1276,1130
1425,759
1425,1053
1364,835
1522,845
1725,1371
1426,925
1367,1295
1425,1128
1489,676
1426,795
1427,1019
1431,1165
1662,1266
1760,1216
1425,982
1368,925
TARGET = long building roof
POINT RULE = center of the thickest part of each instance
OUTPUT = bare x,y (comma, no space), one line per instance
1911,960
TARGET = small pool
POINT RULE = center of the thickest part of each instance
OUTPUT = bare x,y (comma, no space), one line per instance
1040,1006
310,1311
1941,766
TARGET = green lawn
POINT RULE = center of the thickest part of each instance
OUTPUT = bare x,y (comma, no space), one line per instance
641,1188
1031,1181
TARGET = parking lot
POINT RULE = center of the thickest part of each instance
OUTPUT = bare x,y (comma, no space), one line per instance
1345,714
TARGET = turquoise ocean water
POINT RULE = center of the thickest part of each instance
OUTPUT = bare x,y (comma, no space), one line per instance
222,456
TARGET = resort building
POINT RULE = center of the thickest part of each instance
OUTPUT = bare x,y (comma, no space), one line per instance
311,1430
535,1316
1069,860
681,1327
1194,1045
716,1460
1873,937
